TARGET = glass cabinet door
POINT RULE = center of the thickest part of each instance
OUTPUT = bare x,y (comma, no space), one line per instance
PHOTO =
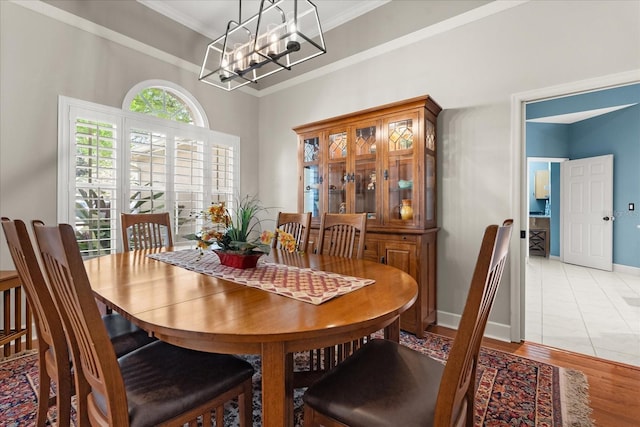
311,176
401,137
364,178
430,174
337,177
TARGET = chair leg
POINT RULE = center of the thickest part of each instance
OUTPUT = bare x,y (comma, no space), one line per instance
43,391
245,404
220,416
64,388
308,416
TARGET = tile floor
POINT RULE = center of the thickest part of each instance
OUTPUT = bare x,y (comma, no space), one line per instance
584,310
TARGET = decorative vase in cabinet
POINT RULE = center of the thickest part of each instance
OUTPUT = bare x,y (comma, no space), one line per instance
406,211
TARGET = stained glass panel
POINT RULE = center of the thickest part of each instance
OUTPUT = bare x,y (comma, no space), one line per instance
431,136
401,135
366,140
311,149
338,145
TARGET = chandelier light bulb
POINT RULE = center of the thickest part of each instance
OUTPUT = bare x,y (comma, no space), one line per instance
238,55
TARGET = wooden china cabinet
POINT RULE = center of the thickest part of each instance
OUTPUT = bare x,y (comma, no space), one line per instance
381,161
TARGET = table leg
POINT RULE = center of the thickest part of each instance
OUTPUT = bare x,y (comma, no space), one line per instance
277,386
392,332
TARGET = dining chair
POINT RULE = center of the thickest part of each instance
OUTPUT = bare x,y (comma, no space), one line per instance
146,231
158,384
385,383
53,353
339,234
296,224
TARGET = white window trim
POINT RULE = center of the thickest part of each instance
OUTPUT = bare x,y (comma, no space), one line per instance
124,120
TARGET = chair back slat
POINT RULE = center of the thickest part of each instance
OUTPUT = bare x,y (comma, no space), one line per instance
97,371
48,322
53,351
339,233
457,388
146,231
296,224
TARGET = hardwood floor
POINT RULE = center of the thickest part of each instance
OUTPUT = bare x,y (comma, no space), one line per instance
614,388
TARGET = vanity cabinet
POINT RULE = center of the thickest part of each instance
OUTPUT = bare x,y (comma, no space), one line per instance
539,235
382,162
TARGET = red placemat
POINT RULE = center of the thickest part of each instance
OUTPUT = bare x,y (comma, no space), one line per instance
303,284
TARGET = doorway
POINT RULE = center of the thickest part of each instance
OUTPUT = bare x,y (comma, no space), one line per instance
520,264
544,209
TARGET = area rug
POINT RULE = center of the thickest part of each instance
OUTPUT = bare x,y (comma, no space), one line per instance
511,390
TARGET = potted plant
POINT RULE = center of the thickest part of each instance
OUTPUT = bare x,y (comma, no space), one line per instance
236,235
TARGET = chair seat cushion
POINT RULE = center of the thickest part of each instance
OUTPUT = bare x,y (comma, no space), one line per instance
125,336
378,386
163,380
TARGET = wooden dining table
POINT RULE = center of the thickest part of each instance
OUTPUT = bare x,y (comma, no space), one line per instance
201,312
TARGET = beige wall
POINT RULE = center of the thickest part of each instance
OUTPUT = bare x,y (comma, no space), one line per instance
42,58
471,71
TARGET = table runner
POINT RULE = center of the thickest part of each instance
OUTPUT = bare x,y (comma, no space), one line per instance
303,284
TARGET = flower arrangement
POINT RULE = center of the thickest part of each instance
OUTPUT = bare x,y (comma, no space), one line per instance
287,240
238,232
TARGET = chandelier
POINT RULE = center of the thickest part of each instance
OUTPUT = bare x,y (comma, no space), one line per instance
283,33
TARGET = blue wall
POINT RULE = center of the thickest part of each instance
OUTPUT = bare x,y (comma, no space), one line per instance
616,133
629,94
554,245
547,140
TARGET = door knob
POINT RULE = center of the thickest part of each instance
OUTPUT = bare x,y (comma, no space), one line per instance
606,218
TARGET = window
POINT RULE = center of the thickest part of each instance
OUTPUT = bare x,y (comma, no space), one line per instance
113,161
161,102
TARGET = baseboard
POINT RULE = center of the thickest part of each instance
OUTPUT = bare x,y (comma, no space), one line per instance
498,331
626,269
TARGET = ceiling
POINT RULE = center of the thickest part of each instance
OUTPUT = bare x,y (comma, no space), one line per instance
354,30
210,18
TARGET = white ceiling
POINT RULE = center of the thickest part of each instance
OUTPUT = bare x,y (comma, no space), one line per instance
210,17
579,116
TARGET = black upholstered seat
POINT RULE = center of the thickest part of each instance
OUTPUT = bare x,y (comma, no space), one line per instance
125,336
175,386
351,392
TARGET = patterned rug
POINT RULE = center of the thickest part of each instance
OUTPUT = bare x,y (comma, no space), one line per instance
511,390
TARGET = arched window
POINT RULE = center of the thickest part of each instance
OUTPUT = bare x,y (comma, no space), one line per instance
161,103
128,160
166,100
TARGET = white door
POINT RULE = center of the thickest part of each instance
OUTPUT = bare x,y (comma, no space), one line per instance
587,212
